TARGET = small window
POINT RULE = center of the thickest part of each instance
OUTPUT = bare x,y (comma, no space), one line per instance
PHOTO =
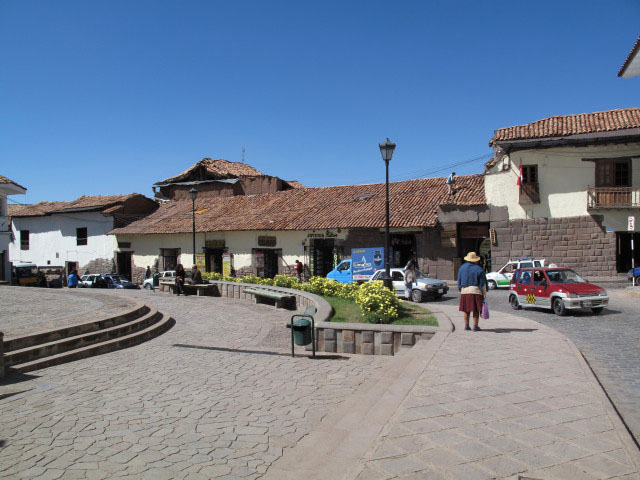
537,263
538,277
343,266
526,265
24,239
526,278
397,276
509,268
529,174
81,236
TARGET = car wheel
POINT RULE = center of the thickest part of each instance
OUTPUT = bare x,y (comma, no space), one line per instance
491,284
513,300
637,280
558,307
147,286
416,295
597,310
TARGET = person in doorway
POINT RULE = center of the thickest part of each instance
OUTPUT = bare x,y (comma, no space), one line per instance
147,274
196,276
472,284
409,278
73,279
180,276
298,269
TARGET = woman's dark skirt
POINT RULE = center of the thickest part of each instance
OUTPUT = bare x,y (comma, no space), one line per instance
470,302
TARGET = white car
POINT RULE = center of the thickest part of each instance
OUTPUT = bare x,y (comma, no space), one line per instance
426,286
87,280
148,283
502,278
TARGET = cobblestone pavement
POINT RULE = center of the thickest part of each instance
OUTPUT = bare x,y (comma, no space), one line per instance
608,341
29,310
199,411
513,399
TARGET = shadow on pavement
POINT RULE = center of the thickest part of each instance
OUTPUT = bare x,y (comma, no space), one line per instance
319,355
508,330
14,377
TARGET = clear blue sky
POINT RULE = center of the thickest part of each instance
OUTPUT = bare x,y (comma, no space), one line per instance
103,97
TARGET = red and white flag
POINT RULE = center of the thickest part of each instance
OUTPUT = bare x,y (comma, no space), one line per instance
519,182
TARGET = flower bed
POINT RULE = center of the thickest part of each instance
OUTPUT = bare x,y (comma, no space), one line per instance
377,303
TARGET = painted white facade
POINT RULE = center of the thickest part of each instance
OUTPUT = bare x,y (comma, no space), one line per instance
53,241
563,179
6,189
146,248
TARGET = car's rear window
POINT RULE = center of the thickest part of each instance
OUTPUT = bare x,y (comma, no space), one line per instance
526,265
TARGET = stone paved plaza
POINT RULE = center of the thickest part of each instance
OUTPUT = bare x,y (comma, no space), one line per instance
218,396
163,411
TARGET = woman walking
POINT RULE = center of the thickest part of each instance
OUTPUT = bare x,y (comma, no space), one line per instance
472,284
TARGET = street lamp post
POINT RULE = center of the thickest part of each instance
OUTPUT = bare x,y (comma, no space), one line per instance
193,193
386,149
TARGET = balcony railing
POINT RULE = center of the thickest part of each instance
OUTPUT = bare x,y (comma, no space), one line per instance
529,193
612,197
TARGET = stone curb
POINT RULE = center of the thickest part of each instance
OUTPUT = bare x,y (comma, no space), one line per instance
334,449
445,324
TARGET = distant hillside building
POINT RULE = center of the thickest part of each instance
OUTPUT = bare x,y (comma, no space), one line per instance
7,187
220,178
74,234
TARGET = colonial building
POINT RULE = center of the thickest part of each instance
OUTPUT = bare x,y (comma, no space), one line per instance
74,234
569,184
264,234
631,66
220,178
7,187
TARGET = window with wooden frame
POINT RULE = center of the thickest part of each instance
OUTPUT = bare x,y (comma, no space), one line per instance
613,183
24,239
529,191
81,236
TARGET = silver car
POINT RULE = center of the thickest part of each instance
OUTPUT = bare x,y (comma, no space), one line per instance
148,283
423,288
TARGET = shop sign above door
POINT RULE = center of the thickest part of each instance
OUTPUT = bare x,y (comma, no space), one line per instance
264,241
327,234
214,243
474,231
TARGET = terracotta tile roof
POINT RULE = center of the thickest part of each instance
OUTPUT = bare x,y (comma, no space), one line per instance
97,202
6,180
214,170
565,125
413,204
295,184
630,57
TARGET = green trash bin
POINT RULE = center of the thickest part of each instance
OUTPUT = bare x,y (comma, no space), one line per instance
156,280
302,332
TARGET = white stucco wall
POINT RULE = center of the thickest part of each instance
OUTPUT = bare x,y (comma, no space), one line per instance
563,178
146,248
53,238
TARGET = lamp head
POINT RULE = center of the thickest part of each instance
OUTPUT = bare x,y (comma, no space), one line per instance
193,193
386,149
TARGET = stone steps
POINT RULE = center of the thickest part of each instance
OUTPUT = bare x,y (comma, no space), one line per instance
95,338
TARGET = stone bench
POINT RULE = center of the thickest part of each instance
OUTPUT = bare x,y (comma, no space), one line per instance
201,289
282,300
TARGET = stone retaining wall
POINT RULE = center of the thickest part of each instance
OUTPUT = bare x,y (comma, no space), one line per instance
368,339
575,242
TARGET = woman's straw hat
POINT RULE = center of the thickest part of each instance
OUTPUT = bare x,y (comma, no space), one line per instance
472,257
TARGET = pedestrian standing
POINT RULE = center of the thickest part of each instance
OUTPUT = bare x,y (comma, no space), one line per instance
196,276
409,278
73,279
179,279
147,274
472,284
298,269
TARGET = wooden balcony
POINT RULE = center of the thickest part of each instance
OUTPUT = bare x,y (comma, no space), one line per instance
599,198
529,193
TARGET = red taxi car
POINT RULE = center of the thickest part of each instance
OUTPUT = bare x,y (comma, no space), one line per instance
559,289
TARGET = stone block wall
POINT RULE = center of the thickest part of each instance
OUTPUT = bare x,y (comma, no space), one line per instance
368,339
580,243
434,260
99,265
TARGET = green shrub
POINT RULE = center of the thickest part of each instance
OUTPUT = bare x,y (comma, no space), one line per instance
375,317
349,290
286,282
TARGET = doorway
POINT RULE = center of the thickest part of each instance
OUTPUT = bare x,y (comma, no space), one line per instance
266,262
473,237
403,249
324,255
123,264
70,267
623,251
213,259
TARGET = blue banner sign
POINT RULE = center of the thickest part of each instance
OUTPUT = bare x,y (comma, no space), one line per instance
366,262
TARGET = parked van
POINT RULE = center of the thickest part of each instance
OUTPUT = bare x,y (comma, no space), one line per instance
343,272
